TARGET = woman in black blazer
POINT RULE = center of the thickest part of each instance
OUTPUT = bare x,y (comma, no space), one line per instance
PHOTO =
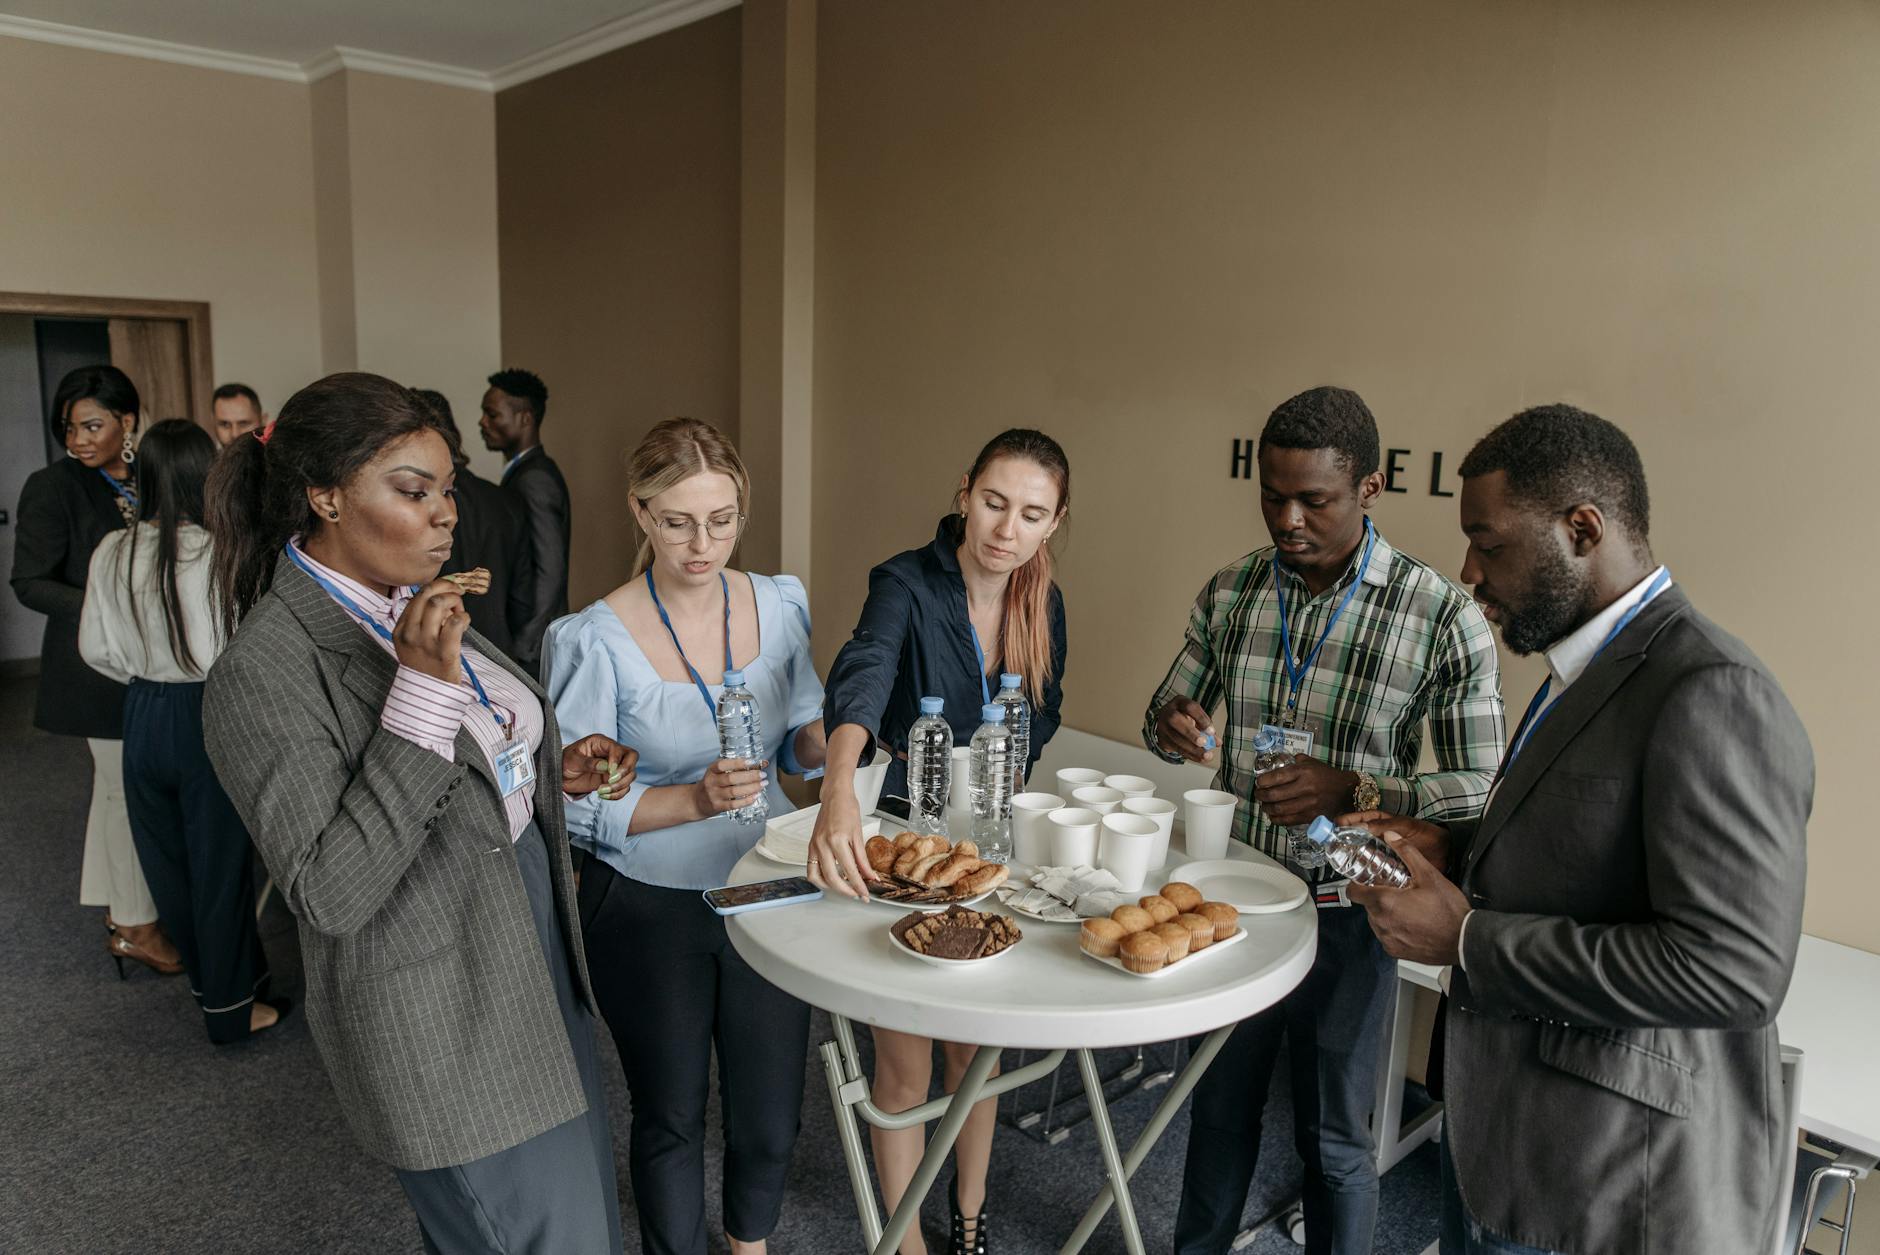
65,510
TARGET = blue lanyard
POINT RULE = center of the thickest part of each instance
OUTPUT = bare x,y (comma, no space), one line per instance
121,489
691,670
356,611
1296,671
1536,713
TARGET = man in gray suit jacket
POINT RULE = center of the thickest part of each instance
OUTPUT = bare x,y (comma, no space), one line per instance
1623,918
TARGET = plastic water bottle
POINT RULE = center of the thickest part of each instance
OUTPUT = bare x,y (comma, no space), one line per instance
1357,855
741,735
1269,754
1011,695
929,768
990,783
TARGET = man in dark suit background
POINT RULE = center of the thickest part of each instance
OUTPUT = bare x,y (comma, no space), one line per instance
1624,916
513,410
491,533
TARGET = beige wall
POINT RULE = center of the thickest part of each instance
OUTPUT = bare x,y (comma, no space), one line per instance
1140,228
127,177
619,227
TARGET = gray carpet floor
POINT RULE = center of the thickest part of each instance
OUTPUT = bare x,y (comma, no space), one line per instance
123,1130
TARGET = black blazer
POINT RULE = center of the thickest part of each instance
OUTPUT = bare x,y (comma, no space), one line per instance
493,533
65,510
537,484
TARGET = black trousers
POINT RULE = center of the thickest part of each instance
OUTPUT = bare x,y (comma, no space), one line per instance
195,853
1333,1024
673,990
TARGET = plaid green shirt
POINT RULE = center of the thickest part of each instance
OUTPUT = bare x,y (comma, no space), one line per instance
1411,645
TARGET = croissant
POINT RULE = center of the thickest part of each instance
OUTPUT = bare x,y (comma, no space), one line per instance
949,872
982,879
881,853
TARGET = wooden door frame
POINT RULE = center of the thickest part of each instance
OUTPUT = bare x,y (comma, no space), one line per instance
194,314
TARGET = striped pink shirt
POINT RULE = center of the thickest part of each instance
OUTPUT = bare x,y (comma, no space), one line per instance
428,711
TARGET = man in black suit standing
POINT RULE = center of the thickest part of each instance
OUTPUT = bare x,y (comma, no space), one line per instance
513,410
493,534
1622,920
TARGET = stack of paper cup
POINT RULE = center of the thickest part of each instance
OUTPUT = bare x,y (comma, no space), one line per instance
1031,834
1124,848
1209,818
1161,812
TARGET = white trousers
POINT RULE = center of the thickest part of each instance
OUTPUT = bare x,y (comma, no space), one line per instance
112,877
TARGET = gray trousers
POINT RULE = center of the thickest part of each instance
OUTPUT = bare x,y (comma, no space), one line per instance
554,1194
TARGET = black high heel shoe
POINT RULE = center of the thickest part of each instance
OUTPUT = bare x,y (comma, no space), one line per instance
965,1240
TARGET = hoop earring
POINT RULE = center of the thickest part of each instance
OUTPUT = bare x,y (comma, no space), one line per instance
130,450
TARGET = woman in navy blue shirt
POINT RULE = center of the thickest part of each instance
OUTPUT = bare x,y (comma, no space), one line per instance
944,621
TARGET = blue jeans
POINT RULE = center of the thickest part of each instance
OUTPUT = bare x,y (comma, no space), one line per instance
1461,1233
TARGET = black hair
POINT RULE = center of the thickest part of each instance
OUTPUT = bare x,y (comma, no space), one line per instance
524,385
173,461
229,391
325,434
1557,457
1326,418
107,385
440,405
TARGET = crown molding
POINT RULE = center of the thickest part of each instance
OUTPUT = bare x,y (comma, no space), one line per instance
150,49
630,29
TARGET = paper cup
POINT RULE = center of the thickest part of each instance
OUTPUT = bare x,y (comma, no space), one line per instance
1208,815
1031,835
1124,847
959,786
1073,837
1131,786
868,782
1096,797
1071,779
1161,812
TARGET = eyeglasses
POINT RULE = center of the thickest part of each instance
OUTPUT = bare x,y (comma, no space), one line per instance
681,531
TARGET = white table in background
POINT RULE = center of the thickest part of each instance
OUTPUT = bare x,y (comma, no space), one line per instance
1041,995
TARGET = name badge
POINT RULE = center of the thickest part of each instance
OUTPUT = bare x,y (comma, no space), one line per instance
515,768
1298,741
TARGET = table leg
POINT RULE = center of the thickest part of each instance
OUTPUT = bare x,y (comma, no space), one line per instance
1158,1123
939,1146
849,1133
1112,1154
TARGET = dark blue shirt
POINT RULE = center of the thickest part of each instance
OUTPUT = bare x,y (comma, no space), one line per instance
915,640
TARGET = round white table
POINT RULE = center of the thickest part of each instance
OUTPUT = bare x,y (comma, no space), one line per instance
1043,994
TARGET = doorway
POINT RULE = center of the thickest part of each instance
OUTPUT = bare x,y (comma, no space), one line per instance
162,345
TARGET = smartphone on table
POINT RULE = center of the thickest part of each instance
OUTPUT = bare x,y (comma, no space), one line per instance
736,899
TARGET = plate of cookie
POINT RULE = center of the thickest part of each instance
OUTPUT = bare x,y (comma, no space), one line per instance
1164,932
956,937
929,872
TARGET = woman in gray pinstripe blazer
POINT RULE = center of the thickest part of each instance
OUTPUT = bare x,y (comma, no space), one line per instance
404,782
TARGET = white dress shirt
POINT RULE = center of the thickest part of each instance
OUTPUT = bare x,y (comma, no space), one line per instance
122,632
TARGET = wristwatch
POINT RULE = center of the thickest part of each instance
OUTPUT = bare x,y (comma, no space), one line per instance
1365,796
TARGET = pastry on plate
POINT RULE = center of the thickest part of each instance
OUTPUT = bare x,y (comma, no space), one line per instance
1160,907
1133,918
1226,919
1143,952
1184,895
1101,937
1177,938
1200,931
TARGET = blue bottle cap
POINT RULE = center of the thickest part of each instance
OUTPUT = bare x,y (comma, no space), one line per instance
992,712
734,678
1321,830
932,705
1264,742
1009,681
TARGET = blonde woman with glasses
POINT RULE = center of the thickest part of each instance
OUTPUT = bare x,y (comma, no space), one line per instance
647,663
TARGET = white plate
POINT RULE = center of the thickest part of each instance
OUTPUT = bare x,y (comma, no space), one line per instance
930,907
902,946
1179,965
1250,888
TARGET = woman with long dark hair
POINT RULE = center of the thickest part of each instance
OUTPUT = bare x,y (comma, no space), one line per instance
946,621
65,510
150,622
405,781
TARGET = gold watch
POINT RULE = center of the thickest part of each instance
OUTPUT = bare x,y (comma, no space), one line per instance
1365,796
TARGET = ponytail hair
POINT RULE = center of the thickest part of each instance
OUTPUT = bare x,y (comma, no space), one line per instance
173,462
1025,637
673,452
257,494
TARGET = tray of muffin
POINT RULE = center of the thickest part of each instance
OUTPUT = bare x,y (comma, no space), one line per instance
1164,932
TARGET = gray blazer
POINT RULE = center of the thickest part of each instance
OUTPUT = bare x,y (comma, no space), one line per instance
1611,1065
426,987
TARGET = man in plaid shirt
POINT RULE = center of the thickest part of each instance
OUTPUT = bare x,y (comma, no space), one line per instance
1333,634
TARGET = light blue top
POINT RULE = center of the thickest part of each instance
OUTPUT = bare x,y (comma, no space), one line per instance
600,681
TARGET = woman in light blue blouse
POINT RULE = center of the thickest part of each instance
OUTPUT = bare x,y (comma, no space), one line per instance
647,664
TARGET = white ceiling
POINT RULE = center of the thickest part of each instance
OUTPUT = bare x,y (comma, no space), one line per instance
496,40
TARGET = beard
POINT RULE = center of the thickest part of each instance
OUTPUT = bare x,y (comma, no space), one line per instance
1553,606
